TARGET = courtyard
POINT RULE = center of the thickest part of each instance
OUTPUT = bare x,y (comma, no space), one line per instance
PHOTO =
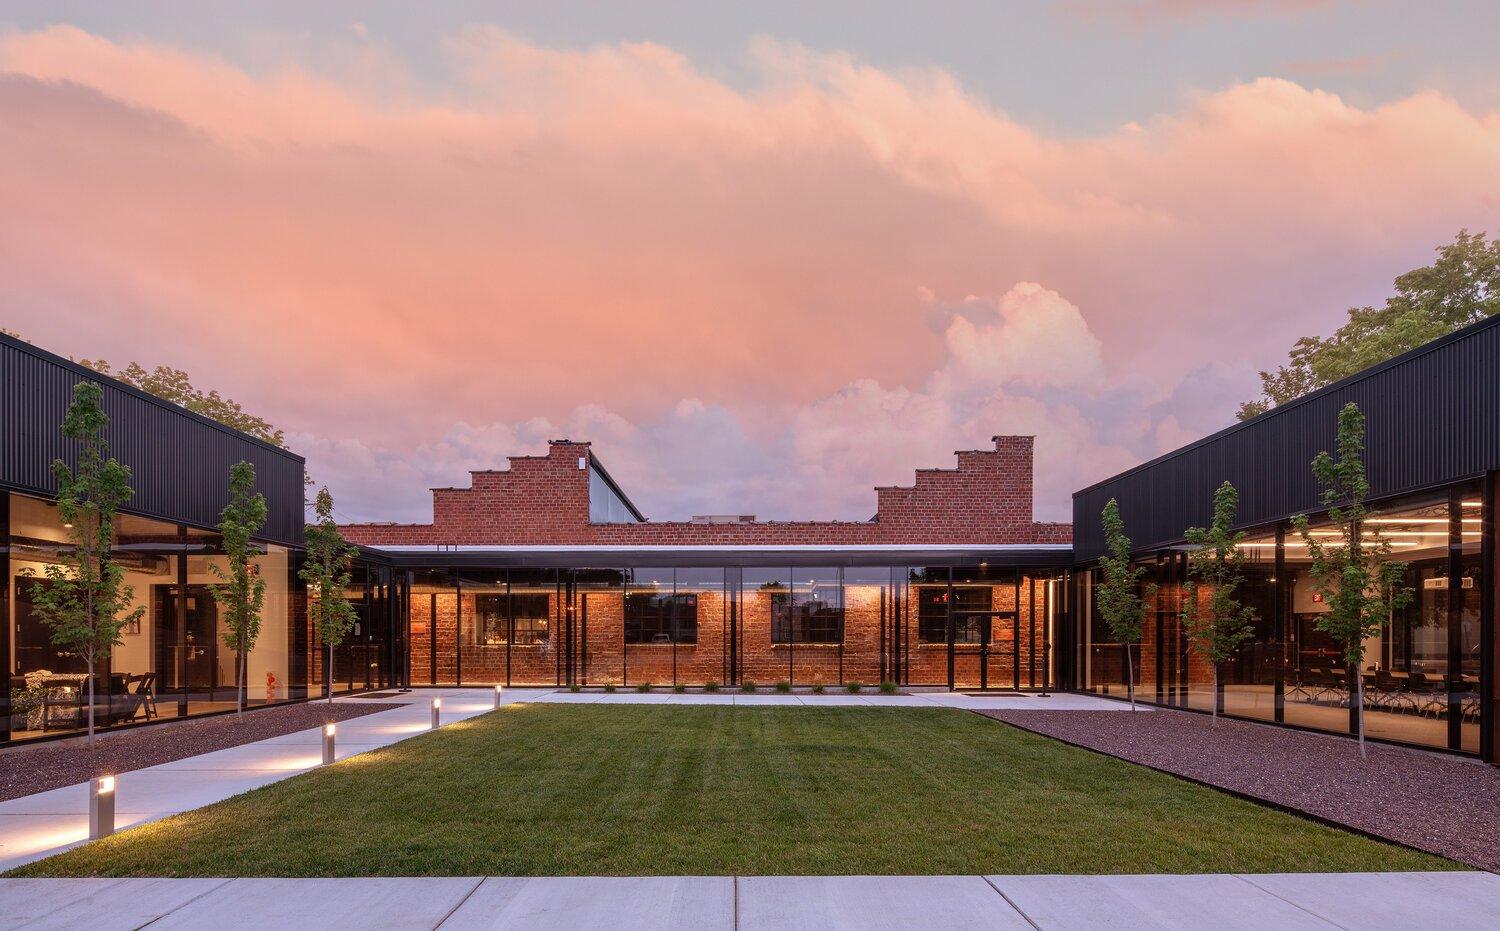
575,788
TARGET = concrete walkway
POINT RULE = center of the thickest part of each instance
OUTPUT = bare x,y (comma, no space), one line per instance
1223,901
40,825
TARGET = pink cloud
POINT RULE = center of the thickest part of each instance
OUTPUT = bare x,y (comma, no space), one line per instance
612,243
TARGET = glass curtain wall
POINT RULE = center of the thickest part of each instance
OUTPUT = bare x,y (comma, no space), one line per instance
172,662
1420,673
667,626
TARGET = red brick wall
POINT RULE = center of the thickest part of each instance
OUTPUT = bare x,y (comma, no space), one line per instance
544,500
611,661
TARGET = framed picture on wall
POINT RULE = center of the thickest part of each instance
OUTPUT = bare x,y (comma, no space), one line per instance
133,626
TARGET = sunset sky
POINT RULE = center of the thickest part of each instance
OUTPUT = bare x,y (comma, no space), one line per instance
763,257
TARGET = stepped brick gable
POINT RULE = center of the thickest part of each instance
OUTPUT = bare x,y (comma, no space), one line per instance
544,500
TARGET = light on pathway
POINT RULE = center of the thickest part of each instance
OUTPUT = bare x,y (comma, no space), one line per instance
437,710
328,731
101,807
497,696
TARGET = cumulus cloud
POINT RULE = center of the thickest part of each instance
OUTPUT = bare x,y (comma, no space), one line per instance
1025,363
610,242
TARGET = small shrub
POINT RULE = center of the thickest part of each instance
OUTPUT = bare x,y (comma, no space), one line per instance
889,688
643,687
710,686
783,686
609,688
818,689
574,687
854,687
747,686
679,689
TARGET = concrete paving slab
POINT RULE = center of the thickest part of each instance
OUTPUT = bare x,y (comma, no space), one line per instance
374,904
117,907
22,900
617,902
1190,903
145,791
857,903
1390,900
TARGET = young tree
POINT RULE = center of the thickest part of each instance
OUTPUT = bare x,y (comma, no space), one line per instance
86,595
242,593
1359,583
1122,601
1217,563
325,569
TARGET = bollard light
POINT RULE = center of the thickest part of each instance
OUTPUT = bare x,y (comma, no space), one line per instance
101,807
497,696
328,730
437,709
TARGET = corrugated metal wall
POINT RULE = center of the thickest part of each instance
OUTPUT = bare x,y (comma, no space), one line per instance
1433,417
179,461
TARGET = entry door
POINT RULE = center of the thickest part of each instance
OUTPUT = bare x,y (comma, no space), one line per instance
969,639
197,645
983,650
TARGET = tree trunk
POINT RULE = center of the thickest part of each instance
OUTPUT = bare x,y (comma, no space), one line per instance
1215,714
1359,710
1130,677
90,738
328,679
241,671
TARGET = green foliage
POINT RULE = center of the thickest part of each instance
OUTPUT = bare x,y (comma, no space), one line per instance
783,686
241,593
889,688
609,689
853,688
679,689
325,570
176,386
85,599
748,685
1121,597
643,687
575,687
1217,563
1356,577
711,686
1359,582
1460,288
818,689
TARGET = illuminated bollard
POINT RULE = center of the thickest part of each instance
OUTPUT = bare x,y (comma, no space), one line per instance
437,710
497,696
101,807
328,730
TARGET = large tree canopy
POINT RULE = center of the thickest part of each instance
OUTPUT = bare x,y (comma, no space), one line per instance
1461,287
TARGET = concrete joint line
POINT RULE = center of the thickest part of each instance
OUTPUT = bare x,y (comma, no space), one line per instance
1016,908
460,903
1288,901
185,904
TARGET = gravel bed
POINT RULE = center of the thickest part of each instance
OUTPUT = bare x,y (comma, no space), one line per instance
25,770
1443,805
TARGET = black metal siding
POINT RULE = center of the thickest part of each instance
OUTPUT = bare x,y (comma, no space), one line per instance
179,461
1433,418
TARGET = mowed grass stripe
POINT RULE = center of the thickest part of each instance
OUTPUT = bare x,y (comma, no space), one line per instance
542,790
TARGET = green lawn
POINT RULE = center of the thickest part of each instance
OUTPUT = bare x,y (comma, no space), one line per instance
616,789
